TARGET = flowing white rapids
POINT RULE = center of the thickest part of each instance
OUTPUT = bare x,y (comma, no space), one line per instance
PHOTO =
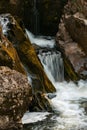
41,40
71,102
69,105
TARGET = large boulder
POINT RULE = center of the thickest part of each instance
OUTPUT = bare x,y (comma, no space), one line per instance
8,55
76,21
15,97
72,41
77,28
39,16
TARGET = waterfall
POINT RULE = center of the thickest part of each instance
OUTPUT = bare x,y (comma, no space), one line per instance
70,102
53,62
42,41
35,18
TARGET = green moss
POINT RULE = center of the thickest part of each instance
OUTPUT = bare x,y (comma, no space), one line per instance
29,57
70,71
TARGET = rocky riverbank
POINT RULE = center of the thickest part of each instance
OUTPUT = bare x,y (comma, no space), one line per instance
72,39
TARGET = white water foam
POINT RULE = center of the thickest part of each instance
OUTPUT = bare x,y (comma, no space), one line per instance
40,40
70,102
31,117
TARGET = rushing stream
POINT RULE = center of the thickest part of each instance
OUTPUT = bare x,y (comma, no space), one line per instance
70,102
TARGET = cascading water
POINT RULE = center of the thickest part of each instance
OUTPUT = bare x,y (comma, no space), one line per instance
70,103
41,41
53,63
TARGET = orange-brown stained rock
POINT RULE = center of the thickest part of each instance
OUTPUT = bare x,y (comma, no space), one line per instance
27,54
8,55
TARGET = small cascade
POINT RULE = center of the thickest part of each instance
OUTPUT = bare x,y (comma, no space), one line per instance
42,41
35,18
4,23
69,104
53,61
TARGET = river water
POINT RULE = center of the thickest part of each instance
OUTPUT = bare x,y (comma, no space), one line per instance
70,102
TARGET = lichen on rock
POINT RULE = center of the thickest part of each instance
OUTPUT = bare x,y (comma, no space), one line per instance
15,96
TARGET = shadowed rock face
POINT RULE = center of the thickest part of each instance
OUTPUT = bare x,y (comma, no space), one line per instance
50,12
42,13
72,40
12,6
15,96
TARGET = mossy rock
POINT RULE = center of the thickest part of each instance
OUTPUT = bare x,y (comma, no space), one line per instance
8,55
27,54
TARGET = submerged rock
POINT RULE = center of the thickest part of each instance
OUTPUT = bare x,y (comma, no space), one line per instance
15,96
